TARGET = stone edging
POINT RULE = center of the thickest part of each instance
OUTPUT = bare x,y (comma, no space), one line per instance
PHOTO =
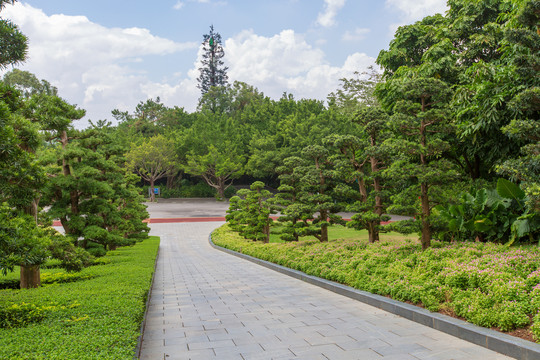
490,339
137,352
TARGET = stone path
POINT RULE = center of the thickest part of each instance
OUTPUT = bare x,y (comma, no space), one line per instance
206,304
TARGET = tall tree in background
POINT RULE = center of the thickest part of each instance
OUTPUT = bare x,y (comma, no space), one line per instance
28,84
153,159
213,72
13,43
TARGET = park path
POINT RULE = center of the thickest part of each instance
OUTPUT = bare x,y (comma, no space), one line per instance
206,304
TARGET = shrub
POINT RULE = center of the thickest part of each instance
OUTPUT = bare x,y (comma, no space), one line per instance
16,315
98,318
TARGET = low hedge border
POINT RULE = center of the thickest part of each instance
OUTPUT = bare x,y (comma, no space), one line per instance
490,339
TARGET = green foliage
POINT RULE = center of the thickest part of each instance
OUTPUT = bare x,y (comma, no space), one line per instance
28,83
491,215
307,185
153,159
72,258
13,43
91,193
420,124
249,212
487,284
17,315
97,318
214,150
22,242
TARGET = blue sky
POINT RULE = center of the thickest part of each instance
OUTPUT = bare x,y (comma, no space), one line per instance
107,54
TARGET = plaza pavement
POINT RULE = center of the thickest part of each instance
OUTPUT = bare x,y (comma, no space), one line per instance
206,304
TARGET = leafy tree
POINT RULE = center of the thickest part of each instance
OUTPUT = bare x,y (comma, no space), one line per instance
13,43
28,83
153,159
22,243
217,166
213,73
462,49
21,176
521,46
355,93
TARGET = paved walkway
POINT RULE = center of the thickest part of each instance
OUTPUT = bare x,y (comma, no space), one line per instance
206,304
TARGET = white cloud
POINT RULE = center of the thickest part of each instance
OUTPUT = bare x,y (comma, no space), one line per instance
413,10
356,35
178,5
331,8
89,63
286,62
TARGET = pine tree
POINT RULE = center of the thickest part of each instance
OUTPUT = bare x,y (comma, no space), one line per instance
213,72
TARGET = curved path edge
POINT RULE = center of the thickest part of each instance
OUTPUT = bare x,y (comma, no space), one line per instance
490,339
137,351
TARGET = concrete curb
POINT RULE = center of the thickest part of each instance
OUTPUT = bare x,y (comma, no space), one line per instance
137,352
490,339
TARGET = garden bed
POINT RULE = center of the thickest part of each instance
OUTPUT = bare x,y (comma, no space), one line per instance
486,284
96,316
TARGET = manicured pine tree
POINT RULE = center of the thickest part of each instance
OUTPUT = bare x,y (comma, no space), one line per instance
420,123
294,215
250,210
213,73
318,182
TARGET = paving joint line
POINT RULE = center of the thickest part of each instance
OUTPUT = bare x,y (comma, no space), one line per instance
138,348
490,339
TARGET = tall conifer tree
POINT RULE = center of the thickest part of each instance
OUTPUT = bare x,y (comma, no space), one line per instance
213,72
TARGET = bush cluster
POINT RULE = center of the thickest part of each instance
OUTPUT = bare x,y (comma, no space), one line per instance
94,314
487,284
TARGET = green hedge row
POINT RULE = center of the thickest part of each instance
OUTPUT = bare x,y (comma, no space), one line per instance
487,284
94,314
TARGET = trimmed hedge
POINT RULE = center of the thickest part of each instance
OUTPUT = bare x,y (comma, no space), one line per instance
94,314
487,284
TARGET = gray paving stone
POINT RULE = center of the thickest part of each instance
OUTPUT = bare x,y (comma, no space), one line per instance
206,304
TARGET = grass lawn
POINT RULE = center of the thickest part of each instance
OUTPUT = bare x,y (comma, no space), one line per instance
342,232
94,314
487,284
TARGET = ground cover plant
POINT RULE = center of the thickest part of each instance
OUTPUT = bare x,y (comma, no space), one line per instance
490,285
94,314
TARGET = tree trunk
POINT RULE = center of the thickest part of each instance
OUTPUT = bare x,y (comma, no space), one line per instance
362,189
152,195
266,232
30,277
426,228
324,233
221,189
373,231
424,195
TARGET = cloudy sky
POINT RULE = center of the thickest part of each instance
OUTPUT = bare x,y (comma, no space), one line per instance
112,54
